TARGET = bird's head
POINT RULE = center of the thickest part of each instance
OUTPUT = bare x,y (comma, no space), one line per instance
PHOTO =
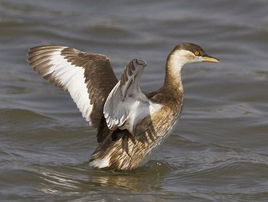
189,53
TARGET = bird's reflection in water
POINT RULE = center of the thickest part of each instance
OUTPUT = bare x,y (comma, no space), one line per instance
84,179
147,178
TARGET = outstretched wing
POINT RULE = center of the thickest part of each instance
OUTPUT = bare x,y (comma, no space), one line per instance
88,77
126,104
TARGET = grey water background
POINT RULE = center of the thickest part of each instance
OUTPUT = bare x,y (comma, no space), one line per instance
219,148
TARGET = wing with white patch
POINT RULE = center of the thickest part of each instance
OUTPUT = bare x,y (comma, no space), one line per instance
126,104
88,77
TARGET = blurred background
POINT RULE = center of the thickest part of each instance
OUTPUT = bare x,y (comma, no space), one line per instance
218,150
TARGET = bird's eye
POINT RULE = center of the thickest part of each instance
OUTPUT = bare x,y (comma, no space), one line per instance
197,53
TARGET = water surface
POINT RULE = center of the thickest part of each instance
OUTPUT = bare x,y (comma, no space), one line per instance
218,150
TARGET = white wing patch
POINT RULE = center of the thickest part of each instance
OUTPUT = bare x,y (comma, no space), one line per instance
69,76
72,78
126,104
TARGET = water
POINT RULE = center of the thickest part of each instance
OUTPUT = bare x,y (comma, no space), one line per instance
218,150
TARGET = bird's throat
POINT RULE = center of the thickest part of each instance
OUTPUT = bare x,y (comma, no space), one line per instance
173,74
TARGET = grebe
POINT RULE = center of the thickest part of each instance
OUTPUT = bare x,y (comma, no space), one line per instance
129,123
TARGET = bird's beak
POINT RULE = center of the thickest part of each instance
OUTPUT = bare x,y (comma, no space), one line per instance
209,59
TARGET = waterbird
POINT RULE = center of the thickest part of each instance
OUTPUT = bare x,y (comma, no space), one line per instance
130,123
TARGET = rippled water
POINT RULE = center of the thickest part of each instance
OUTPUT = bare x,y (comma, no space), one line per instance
218,150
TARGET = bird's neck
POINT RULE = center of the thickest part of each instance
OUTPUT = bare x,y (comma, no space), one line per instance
173,81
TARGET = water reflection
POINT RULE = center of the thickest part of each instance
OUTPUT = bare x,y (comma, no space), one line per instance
52,182
146,179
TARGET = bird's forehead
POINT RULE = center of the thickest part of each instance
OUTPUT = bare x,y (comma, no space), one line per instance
191,47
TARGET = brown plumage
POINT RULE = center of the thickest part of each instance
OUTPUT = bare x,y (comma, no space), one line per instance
129,123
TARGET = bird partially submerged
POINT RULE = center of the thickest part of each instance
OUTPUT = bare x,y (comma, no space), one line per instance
129,122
